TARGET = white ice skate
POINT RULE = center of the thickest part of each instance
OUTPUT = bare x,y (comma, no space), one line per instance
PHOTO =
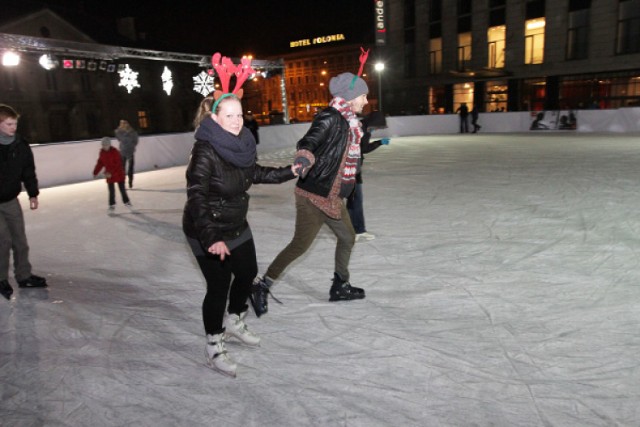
235,327
217,357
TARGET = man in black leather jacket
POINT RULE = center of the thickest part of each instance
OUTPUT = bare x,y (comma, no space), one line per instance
328,159
16,167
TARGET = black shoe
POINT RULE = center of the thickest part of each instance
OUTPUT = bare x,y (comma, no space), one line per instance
33,282
5,289
342,290
259,296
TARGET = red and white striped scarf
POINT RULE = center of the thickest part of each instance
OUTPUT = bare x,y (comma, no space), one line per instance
355,134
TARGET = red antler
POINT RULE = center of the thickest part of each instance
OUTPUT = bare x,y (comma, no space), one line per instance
224,68
243,71
363,58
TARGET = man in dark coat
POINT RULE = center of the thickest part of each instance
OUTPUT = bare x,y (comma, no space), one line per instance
16,168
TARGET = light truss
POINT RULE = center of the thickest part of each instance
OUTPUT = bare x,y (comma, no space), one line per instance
28,44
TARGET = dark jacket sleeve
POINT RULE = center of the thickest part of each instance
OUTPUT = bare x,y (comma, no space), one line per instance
366,145
29,173
271,175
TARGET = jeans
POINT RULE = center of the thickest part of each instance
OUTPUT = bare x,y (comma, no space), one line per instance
464,124
112,193
356,209
13,237
309,220
129,171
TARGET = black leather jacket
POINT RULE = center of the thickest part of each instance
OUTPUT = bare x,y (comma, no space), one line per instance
326,139
17,167
217,198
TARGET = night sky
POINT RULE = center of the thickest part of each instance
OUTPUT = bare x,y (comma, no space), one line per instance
234,28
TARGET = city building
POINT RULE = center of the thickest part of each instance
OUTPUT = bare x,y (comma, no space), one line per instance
510,55
306,78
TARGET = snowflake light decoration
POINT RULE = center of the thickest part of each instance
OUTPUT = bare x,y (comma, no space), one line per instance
128,78
167,80
203,83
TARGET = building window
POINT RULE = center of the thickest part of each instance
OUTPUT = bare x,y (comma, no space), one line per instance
435,55
437,100
611,90
578,29
496,43
534,92
497,13
410,60
534,41
464,16
143,119
463,92
495,98
628,37
464,51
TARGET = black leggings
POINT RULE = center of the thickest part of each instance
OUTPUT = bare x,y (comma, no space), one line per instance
243,266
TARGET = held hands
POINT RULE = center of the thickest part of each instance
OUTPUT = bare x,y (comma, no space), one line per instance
302,166
219,248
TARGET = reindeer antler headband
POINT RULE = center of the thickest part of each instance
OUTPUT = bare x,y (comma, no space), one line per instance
363,58
225,69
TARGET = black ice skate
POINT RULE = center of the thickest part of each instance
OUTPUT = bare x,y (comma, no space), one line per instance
341,290
259,294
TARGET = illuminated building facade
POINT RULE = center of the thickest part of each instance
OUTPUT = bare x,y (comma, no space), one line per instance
306,77
511,55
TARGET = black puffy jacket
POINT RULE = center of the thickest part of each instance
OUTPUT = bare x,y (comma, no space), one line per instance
217,198
327,139
17,167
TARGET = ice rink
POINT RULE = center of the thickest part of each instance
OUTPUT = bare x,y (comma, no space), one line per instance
503,289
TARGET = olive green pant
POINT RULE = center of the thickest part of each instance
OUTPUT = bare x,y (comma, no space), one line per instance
309,220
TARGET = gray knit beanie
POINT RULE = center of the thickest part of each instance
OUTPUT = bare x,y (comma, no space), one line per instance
341,86
106,141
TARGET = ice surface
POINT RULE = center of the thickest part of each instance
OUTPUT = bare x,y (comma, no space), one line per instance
502,290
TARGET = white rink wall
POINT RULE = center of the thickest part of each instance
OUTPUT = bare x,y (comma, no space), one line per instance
65,163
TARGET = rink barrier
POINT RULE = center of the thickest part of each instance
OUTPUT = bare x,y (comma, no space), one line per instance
71,162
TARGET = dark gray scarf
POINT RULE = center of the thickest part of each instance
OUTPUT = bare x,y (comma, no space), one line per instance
6,139
239,150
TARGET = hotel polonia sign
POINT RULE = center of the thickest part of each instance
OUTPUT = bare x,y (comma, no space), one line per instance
317,40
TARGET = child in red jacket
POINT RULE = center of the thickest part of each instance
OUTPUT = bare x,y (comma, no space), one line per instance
111,161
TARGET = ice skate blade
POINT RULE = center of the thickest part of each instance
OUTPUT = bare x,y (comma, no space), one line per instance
225,373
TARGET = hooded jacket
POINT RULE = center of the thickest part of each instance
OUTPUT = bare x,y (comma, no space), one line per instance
217,198
111,161
17,167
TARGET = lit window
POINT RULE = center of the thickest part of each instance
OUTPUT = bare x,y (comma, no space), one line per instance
534,41
143,120
435,55
464,51
496,44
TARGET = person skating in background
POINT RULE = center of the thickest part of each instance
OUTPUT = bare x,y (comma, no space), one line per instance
110,160
329,157
128,139
17,167
221,169
463,112
355,202
251,123
475,115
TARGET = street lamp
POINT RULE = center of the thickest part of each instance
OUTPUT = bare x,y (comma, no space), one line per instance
379,67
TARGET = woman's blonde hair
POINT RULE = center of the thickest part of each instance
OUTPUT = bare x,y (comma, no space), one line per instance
204,110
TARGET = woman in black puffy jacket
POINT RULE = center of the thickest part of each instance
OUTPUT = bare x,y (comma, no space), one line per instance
221,169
